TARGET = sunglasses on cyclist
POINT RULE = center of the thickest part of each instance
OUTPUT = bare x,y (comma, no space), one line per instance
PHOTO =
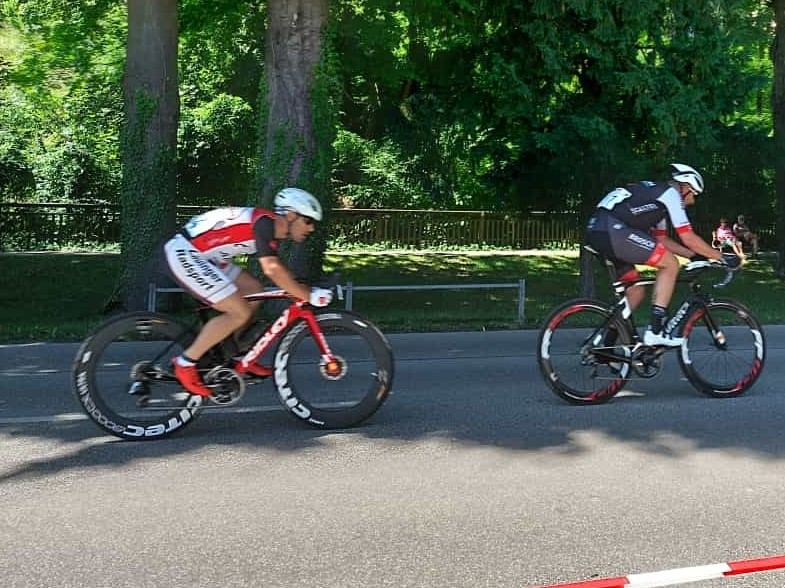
307,220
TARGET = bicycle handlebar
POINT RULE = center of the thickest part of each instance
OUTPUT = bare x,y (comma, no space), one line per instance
697,267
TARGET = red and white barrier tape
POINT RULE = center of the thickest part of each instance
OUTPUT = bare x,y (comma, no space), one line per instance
682,575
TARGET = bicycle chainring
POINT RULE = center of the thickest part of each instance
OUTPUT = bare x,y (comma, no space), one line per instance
647,362
226,385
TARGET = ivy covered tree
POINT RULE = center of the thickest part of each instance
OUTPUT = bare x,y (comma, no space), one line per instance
149,141
296,119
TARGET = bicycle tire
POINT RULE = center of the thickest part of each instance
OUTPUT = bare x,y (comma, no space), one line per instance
571,370
728,368
347,398
115,357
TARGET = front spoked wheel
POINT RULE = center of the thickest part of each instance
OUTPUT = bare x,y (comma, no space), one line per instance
123,378
724,349
577,353
339,393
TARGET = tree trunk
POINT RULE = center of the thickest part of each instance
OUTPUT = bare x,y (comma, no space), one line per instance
297,129
778,110
294,42
149,142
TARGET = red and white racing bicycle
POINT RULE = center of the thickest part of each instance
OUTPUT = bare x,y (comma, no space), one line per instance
332,369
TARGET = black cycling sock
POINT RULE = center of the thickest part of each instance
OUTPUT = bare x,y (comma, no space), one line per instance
657,318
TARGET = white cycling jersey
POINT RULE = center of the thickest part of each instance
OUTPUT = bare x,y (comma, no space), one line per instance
200,255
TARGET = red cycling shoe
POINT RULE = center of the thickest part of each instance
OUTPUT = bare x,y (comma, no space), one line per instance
255,369
189,377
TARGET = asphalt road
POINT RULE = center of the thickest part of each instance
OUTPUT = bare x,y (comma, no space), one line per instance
472,474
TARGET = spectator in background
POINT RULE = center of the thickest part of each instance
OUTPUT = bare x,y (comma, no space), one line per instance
724,237
745,235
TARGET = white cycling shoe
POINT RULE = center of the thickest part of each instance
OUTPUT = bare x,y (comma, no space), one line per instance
653,339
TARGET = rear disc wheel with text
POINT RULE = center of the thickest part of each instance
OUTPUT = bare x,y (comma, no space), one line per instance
123,377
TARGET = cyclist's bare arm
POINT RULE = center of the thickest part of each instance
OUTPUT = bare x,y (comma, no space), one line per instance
674,246
281,276
695,244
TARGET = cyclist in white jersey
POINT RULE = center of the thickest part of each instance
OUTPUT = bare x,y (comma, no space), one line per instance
200,259
630,227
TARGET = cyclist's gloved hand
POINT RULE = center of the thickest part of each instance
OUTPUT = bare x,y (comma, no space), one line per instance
732,260
320,296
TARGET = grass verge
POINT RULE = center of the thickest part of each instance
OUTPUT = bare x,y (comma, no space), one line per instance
60,296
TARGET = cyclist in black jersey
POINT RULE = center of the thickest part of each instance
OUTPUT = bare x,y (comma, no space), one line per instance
630,226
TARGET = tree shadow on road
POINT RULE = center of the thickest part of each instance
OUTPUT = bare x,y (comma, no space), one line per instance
508,409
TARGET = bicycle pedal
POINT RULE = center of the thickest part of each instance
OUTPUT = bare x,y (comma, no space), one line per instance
139,389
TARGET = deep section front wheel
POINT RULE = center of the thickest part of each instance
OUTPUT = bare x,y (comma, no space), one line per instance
341,392
724,349
123,377
577,355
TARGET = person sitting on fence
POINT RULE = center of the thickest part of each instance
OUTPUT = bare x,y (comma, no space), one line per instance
629,227
199,257
745,235
723,237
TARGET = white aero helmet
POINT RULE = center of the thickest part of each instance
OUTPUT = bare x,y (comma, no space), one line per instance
688,175
299,201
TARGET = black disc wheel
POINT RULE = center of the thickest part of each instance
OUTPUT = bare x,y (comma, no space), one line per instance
340,392
123,377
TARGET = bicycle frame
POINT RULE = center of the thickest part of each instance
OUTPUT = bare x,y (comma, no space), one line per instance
695,297
288,317
623,311
295,311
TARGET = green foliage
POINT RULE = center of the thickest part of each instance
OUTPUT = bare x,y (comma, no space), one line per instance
543,105
62,102
16,178
474,104
374,175
216,151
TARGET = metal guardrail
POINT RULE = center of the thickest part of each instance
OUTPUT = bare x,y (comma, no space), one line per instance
350,288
